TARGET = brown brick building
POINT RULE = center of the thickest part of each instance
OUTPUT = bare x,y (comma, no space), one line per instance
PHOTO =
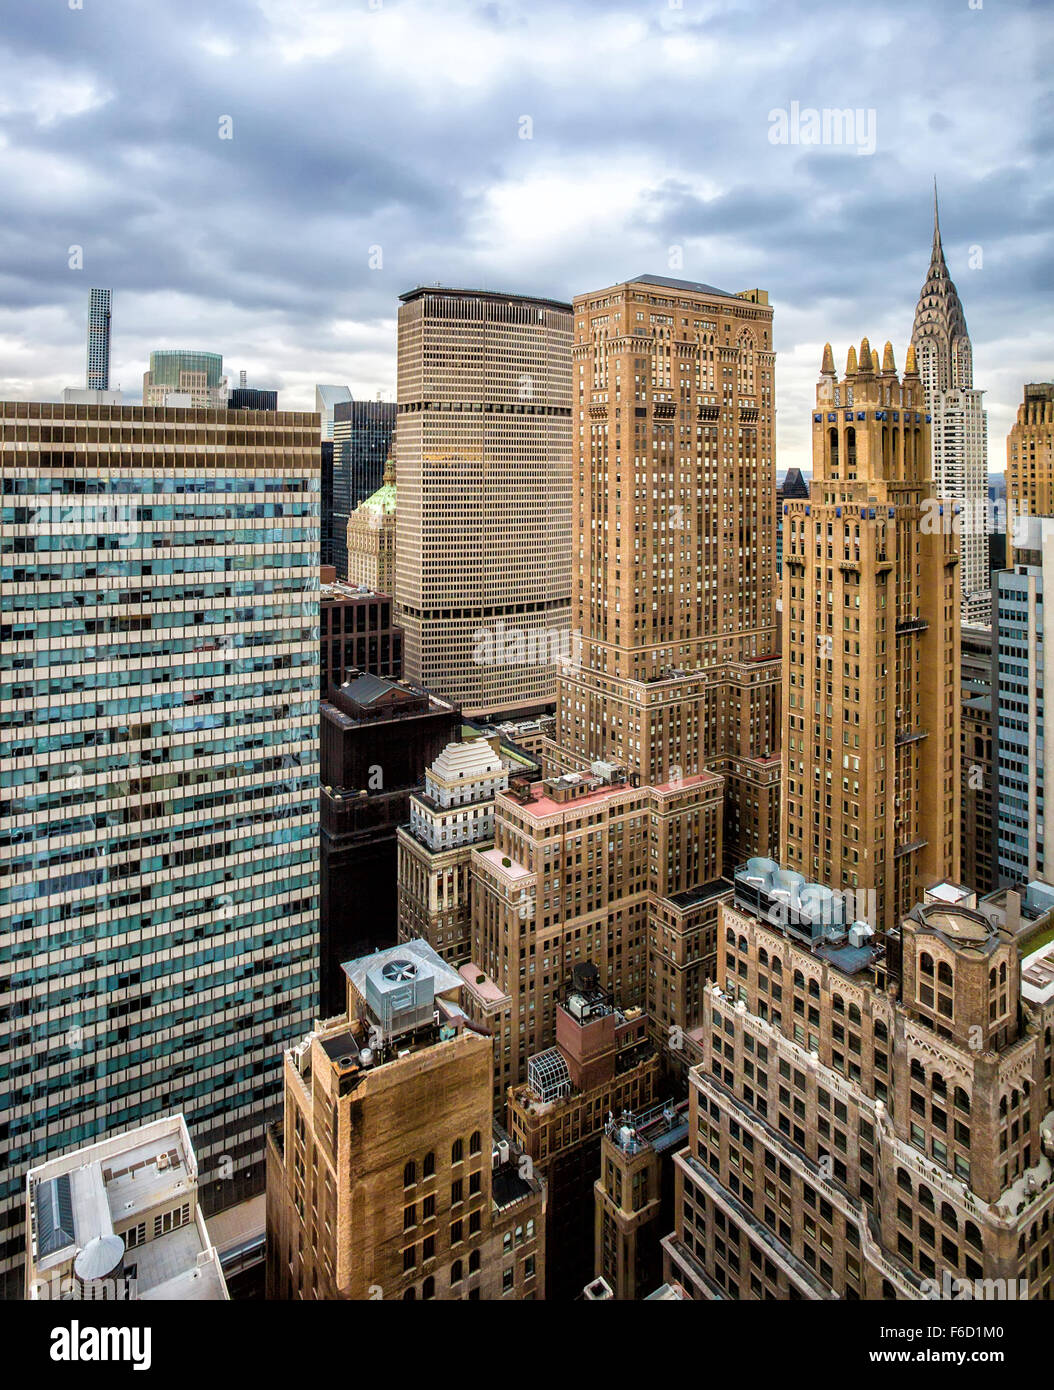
385,1179
868,1121
673,591
871,744
1030,458
356,633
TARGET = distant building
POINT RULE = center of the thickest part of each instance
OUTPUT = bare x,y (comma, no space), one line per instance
121,1220
181,378
386,1178
1024,755
453,812
958,434
793,485
356,633
602,1063
371,537
978,774
77,395
483,543
97,376
252,398
377,738
326,502
362,442
326,400
1030,458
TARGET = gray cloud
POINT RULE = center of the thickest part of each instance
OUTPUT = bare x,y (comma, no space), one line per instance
398,125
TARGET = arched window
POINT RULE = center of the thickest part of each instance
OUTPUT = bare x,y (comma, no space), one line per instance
926,1198
938,1084
962,1100
881,1031
730,936
944,974
457,1272
777,966
973,1236
799,980
429,1165
457,1151
763,957
948,1216
926,963
410,1294
473,1262
409,1174
814,989
854,1013
475,1143
428,1288
1002,973
903,1179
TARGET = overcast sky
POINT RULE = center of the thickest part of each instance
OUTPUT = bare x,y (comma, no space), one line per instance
398,124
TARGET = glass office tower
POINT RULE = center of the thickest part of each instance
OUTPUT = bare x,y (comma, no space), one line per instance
158,780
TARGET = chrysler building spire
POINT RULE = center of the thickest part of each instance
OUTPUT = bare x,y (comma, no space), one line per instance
944,353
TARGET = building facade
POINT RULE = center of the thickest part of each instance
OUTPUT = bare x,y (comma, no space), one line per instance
958,424
159,708
978,760
357,634
868,1121
386,1178
327,398
673,530
371,537
362,441
1022,658
1030,458
871,646
483,542
97,375
190,379
454,812
793,485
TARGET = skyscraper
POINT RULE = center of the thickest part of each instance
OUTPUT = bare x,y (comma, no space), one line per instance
1030,457
97,377
1023,755
371,537
159,707
673,532
871,751
483,549
362,442
326,400
190,378
959,427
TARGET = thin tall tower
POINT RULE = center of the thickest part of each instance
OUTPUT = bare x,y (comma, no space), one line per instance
98,374
959,430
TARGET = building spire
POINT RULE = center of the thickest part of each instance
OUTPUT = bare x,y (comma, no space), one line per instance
937,248
827,367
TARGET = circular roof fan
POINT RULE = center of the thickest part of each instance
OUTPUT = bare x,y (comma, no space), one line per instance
399,971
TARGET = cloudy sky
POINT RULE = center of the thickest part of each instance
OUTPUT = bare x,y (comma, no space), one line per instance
400,125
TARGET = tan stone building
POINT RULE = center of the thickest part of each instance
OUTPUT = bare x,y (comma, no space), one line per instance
601,1065
673,527
871,743
386,1178
591,867
483,544
453,813
869,1121
371,537
633,1196
1030,459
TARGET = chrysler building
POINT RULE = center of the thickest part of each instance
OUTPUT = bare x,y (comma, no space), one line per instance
958,424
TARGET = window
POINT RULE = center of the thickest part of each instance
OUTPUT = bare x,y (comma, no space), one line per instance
473,1262
457,1151
410,1258
429,1165
410,1174
475,1144
457,1272
409,1216
428,1289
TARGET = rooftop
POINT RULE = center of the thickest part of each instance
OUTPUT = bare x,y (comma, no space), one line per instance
493,295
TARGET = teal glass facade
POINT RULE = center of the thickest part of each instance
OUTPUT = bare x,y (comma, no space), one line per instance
158,780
